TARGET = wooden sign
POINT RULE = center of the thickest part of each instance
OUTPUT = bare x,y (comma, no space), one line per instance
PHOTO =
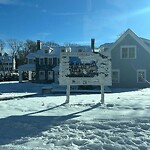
84,68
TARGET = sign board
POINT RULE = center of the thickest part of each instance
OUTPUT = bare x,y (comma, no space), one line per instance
84,68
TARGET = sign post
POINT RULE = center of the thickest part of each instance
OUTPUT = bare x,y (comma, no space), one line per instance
84,68
68,94
102,94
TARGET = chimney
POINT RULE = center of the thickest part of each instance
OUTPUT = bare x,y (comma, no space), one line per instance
92,44
39,45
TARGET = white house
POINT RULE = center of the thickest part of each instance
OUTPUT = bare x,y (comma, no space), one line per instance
7,64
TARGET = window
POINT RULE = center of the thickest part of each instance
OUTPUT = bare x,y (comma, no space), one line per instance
50,61
46,51
115,76
124,53
54,61
50,75
45,60
30,61
131,52
41,62
41,75
128,52
141,76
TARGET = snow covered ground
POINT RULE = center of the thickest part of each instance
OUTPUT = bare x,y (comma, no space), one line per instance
44,122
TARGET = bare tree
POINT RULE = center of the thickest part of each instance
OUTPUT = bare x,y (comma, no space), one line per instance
30,46
71,44
2,45
51,44
15,46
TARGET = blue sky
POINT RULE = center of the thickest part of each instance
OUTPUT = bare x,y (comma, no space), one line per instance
75,21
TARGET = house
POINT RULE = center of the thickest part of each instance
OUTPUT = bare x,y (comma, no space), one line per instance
7,65
43,65
130,56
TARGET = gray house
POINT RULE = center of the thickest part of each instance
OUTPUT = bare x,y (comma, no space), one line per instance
130,61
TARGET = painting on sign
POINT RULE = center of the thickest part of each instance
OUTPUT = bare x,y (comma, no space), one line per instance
79,69
84,68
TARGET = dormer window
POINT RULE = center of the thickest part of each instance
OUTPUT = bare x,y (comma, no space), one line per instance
128,52
46,51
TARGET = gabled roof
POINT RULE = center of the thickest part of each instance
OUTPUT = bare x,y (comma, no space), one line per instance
134,36
145,40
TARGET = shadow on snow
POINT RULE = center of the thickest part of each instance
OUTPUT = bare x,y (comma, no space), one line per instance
17,127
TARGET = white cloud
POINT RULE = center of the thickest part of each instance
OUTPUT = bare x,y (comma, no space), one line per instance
133,13
141,11
8,2
67,14
82,42
36,6
44,10
44,35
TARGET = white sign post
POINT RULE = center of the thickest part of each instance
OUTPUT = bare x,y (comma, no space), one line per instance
102,94
84,68
68,93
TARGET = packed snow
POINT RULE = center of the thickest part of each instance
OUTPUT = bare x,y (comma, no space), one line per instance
32,121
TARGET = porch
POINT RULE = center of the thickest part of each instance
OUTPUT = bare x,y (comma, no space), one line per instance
28,68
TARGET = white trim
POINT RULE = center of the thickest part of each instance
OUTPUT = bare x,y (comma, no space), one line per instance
145,40
141,70
118,71
130,32
127,46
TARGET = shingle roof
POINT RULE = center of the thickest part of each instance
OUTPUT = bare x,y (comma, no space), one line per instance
55,51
